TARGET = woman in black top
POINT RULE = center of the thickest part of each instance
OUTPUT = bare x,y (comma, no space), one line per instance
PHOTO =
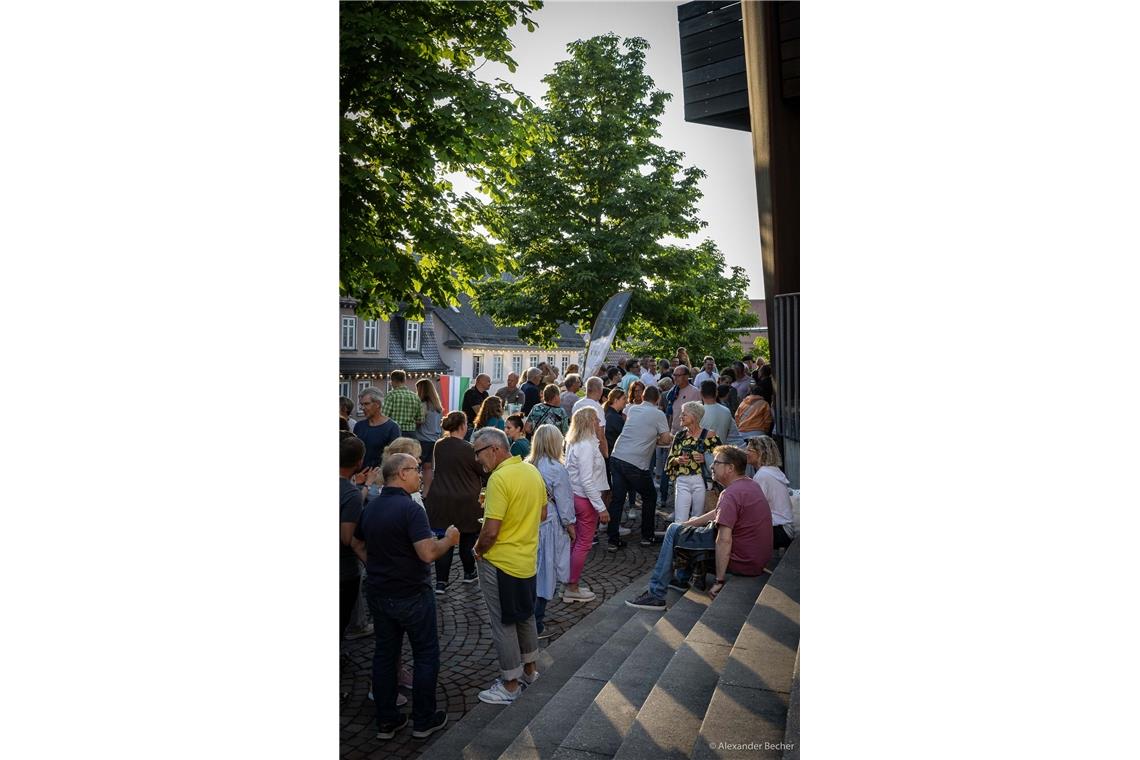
615,420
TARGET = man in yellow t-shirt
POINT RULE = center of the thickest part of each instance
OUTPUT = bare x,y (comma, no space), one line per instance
508,550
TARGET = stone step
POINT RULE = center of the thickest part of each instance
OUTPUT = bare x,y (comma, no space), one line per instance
751,701
539,738
601,727
671,716
792,732
486,730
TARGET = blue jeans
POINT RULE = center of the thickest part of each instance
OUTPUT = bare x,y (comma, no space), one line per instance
696,538
392,618
661,456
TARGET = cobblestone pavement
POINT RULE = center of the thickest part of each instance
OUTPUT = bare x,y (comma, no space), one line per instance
467,659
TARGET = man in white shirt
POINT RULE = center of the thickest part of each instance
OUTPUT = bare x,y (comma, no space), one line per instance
684,392
648,376
593,400
707,373
645,429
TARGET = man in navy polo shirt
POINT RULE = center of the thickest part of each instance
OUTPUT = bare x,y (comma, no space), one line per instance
394,534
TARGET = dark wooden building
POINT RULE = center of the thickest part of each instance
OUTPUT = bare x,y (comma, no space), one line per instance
740,66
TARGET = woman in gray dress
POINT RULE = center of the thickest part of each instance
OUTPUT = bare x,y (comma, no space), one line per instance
428,431
556,530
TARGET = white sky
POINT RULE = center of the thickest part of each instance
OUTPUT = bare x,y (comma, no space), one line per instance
729,202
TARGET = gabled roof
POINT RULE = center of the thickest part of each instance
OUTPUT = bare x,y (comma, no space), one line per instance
427,359
473,328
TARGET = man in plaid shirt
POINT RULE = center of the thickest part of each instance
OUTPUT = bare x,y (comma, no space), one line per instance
402,405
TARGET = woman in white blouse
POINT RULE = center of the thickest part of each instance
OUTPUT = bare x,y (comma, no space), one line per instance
587,481
764,455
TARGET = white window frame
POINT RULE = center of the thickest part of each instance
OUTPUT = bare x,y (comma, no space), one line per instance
347,333
550,361
497,368
476,365
371,333
534,360
344,389
565,363
412,333
516,364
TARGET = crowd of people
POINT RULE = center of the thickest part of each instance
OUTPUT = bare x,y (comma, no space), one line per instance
525,481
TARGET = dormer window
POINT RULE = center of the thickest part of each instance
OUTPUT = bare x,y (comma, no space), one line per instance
412,336
370,330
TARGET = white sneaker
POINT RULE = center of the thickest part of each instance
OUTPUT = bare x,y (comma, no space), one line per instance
623,531
498,694
581,595
526,680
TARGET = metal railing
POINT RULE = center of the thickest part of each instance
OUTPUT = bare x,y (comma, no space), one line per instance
785,337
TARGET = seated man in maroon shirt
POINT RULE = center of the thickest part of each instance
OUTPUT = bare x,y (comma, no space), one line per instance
739,529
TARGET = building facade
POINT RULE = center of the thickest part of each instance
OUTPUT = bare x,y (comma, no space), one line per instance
471,344
371,349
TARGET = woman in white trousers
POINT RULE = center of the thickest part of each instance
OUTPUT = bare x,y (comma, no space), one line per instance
686,460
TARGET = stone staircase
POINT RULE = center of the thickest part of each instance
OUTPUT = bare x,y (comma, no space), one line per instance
706,679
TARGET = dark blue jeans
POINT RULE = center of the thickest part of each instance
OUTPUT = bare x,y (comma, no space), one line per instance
392,618
678,536
628,479
540,611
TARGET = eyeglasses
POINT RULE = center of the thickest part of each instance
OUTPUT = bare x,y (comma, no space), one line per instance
721,461
479,451
417,468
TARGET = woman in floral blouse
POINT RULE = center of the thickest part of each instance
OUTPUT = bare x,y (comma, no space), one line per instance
549,411
687,460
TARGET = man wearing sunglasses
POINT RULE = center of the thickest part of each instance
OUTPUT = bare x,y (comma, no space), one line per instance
739,529
508,552
394,534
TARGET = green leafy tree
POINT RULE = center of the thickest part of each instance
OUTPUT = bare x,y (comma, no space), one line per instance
593,209
412,112
702,304
761,348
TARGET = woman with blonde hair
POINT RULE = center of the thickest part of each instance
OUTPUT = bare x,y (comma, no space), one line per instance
764,455
402,445
686,462
491,413
556,531
587,472
428,431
